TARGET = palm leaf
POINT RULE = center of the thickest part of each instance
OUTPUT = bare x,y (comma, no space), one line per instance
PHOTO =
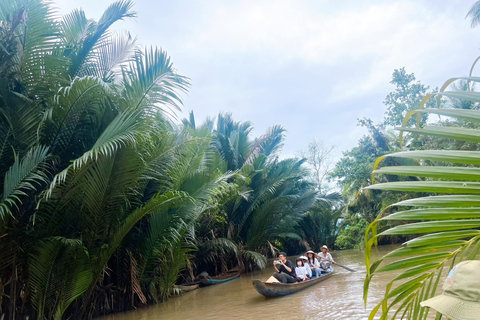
151,82
443,227
157,204
60,272
124,129
474,14
251,260
109,58
25,175
118,10
72,104
38,33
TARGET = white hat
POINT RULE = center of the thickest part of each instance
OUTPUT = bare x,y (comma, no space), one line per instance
460,299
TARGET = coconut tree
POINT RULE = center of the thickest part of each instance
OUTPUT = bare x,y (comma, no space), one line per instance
442,224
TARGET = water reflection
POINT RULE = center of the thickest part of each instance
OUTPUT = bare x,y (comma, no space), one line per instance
340,297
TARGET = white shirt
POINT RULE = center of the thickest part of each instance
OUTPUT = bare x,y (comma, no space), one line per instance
325,258
315,263
309,270
301,272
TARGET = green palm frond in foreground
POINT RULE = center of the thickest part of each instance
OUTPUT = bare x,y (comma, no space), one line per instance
443,224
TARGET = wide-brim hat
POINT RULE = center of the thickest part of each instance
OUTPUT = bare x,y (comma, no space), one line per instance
310,251
454,308
460,299
303,258
325,247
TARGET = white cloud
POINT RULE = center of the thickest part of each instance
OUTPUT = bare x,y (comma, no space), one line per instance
312,66
386,36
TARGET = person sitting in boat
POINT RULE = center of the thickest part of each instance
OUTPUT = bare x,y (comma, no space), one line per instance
301,271
325,259
313,263
285,272
307,266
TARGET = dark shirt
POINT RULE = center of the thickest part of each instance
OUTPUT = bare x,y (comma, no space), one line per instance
289,264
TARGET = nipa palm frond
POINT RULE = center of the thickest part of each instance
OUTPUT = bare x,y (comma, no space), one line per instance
98,36
25,175
60,272
125,129
151,82
474,14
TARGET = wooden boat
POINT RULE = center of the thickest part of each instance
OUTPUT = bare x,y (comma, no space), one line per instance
186,288
208,281
277,289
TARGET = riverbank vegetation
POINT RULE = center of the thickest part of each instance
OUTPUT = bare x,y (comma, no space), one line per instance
106,201
353,170
441,220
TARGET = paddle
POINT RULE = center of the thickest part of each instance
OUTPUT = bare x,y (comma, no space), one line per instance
346,268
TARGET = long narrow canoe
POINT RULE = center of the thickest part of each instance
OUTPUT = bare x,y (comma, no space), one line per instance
219,279
277,289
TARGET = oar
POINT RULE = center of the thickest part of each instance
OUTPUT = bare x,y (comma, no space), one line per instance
346,268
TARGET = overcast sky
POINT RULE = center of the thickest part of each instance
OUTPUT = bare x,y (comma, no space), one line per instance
313,67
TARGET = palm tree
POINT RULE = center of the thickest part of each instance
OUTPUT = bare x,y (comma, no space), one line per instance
442,223
74,134
279,199
319,225
266,201
232,141
105,200
474,14
274,196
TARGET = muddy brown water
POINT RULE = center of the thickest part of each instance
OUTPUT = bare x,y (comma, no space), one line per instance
338,298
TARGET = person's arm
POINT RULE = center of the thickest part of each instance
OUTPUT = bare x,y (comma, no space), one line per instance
289,269
331,259
275,266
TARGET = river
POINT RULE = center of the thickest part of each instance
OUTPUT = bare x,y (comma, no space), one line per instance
338,298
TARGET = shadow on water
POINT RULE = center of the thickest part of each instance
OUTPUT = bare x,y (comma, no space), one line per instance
340,297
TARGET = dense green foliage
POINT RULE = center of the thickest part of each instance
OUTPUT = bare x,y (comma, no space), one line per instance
441,221
319,225
105,203
351,229
442,218
406,97
353,171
